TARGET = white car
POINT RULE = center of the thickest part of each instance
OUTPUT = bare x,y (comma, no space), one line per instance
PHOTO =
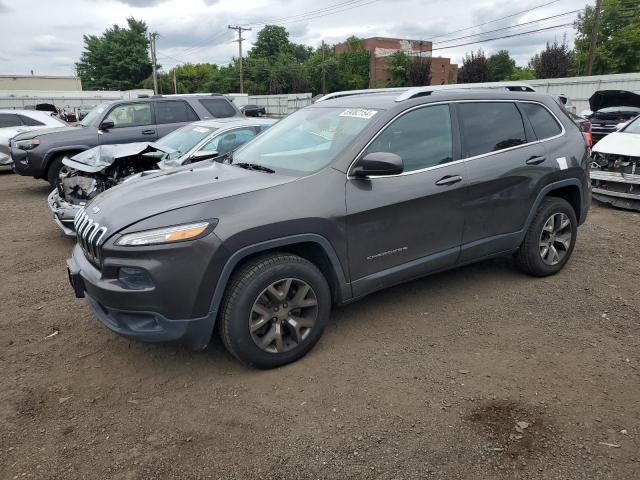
615,167
13,122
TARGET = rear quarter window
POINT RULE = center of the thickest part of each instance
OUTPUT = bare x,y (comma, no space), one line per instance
218,107
30,122
544,124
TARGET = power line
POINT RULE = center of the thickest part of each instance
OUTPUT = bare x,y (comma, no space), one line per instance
511,26
312,17
496,20
505,36
311,12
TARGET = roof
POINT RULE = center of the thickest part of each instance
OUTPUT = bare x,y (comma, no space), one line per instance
234,121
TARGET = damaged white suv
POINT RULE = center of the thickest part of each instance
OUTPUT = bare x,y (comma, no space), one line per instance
93,171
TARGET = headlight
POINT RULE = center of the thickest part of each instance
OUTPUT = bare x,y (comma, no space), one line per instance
27,144
159,236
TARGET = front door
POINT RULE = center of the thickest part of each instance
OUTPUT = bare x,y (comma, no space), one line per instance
406,225
132,122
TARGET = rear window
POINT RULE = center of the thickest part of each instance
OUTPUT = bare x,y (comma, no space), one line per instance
30,122
489,127
218,107
174,112
543,123
9,120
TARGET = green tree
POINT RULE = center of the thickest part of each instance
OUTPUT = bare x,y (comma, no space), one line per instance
352,66
398,65
420,72
116,60
554,61
520,73
501,66
475,68
618,41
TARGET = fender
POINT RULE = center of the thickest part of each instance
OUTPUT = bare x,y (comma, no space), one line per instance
53,151
545,191
344,288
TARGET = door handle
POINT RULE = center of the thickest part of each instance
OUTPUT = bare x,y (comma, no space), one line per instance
536,160
449,180
148,132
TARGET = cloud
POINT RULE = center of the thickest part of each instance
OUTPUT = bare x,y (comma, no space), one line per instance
3,7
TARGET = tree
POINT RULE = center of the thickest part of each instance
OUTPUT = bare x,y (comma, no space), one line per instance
474,68
352,66
272,40
554,61
520,73
398,65
116,60
420,72
501,66
618,41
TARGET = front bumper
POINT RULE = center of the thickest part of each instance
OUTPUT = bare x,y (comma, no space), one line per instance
63,212
155,313
6,163
617,189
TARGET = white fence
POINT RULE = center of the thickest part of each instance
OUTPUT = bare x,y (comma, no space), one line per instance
281,105
579,89
23,98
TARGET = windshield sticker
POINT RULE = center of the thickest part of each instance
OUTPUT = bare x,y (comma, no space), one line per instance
358,113
200,129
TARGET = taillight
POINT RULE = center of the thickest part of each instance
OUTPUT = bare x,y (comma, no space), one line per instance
587,138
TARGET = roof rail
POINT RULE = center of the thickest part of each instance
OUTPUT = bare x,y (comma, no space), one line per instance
348,93
427,90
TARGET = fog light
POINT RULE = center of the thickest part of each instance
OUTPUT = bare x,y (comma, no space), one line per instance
135,278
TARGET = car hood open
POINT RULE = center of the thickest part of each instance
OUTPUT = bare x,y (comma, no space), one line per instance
613,98
163,191
98,158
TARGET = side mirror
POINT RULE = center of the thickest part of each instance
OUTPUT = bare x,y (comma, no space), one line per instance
106,125
203,155
377,164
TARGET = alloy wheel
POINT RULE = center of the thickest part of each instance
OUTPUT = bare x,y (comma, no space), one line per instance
283,315
555,238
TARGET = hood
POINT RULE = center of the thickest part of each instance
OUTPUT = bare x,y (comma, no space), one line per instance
98,158
136,200
613,98
47,131
619,143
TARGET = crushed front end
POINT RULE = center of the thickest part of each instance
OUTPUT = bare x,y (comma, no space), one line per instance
616,179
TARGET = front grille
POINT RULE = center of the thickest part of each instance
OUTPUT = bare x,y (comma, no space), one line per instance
90,236
600,130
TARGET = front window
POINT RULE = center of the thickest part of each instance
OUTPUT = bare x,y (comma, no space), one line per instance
229,141
307,140
184,139
130,115
94,114
633,127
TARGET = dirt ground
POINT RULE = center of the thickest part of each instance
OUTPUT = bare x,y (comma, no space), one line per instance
477,373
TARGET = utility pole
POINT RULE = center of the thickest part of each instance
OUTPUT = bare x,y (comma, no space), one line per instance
152,42
594,37
324,80
240,29
175,84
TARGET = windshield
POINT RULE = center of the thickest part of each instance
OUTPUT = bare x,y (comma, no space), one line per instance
306,140
633,127
93,115
184,139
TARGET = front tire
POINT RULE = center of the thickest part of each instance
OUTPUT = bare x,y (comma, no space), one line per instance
549,242
53,173
274,310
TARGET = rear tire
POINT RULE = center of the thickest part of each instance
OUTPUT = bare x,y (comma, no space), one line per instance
274,310
549,242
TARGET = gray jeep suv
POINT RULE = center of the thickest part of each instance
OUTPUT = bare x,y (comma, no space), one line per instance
340,199
39,154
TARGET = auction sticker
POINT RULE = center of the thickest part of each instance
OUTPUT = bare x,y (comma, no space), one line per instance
201,130
358,113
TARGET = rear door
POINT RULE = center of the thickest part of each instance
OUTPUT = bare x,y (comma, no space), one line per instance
406,225
133,122
506,167
171,114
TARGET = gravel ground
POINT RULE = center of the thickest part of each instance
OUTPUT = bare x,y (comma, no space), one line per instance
476,373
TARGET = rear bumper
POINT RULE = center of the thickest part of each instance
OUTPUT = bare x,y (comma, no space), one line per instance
63,213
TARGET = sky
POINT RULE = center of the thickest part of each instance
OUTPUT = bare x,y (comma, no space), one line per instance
46,36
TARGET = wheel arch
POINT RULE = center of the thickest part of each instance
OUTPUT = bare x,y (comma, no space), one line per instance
56,152
569,189
312,247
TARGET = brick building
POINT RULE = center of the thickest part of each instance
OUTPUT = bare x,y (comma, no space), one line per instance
379,48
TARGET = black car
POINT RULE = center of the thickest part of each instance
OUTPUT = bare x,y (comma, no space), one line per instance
253,111
338,200
609,109
39,154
